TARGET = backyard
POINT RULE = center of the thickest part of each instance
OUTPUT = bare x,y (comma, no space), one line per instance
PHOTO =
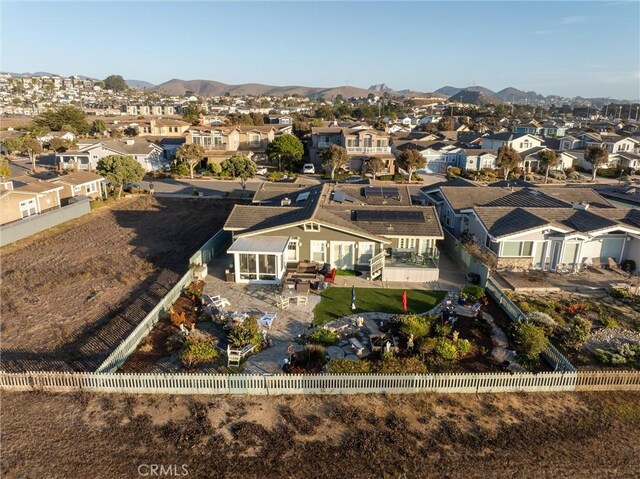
336,302
577,435
71,294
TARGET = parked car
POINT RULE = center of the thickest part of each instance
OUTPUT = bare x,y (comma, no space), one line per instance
261,170
354,179
308,168
131,186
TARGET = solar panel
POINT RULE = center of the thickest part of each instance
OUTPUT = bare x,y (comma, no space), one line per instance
389,216
303,196
381,192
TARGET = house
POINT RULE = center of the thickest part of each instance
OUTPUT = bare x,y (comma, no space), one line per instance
531,128
544,228
477,159
166,128
222,142
610,141
369,228
279,120
438,155
255,138
517,141
531,159
63,135
89,152
361,143
25,196
79,183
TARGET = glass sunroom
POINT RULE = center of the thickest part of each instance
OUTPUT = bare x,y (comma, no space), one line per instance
259,259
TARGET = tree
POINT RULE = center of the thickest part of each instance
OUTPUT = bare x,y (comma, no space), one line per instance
507,159
32,148
375,166
98,127
446,123
115,83
115,133
13,143
5,171
411,160
549,159
239,166
190,155
257,118
285,150
119,170
334,158
191,113
597,156
530,338
59,145
61,117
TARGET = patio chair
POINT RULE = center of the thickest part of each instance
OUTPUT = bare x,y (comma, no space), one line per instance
596,262
613,266
302,299
217,301
267,319
282,302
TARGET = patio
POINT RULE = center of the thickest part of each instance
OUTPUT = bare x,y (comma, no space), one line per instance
590,279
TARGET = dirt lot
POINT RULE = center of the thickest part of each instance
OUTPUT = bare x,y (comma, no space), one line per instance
71,294
412,436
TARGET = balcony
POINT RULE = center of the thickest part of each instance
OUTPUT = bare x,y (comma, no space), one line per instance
368,149
327,144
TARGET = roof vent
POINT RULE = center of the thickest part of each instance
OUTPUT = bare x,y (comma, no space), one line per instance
285,202
130,142
580,206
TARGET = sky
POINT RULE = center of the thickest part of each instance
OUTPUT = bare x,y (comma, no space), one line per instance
590,49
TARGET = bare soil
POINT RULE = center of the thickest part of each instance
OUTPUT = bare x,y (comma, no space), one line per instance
414,436
72,293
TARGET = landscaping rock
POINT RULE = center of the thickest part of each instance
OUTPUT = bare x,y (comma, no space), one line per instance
352,357
335,352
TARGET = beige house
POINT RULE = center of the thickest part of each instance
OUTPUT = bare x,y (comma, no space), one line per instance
80,183
167,128
24,196
361,143
256,138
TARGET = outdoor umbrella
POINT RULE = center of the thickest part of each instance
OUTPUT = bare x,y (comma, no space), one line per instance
404,300
353,298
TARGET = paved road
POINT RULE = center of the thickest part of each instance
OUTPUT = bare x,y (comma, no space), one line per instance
207,187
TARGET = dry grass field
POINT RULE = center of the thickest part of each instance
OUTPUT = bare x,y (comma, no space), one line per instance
569,435
71,294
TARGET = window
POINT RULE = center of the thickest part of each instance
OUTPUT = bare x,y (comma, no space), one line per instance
407,243
267,266
318,251
517,248
91,188
28,208
254,139
248,268
311,227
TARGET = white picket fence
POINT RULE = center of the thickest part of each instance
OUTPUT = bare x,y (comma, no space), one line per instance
320,384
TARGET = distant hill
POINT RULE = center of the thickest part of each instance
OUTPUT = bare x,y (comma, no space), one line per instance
475,97
380,87
448,90
36,74
511,94
140,84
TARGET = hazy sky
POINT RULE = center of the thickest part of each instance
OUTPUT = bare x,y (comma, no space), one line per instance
570,48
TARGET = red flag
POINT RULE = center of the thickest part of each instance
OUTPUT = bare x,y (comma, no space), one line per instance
404,300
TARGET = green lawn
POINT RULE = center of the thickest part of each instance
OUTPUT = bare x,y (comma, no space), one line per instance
347,272
336,302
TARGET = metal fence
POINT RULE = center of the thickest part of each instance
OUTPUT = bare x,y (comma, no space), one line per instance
26,227
212,248
321,384
551,354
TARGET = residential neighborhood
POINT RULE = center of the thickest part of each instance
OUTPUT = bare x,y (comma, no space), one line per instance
320,240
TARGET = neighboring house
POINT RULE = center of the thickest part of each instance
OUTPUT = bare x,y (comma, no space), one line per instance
543,228
89,152
372,229
477,159
610,141
222,142
26,196
79,183
165,128
438,155
255,138
531,128
629,160
361,143
279,120
63,135
531,159
518,141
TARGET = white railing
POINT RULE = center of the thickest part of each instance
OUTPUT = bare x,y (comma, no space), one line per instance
376,265
368,149
320,384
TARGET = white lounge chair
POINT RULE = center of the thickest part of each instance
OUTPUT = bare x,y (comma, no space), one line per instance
282,302
217,301
267,319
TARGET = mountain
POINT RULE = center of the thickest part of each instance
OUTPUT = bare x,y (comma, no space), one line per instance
140,85
380,87
514,95
36,74
448,90
474,96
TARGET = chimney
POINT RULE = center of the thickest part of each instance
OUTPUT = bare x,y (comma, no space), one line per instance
6,185
285,202
581,206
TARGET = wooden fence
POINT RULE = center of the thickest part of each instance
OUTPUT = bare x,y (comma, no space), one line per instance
320,384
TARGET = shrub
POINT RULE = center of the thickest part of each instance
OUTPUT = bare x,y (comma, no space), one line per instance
578,332
621,355
419,326
193,353
427,346
544,320
178,318
530,338
473,292
344,366
608,322
393,365
576,308
442,330
213,168
323,336
180,169
246,333
446,349
312,358
463,346
453,171
618,293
